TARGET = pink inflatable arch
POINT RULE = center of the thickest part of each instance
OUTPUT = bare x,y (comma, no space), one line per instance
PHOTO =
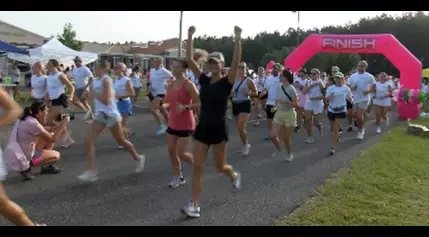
409,66
269,66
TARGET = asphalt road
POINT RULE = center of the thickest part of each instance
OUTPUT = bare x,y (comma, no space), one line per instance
270,186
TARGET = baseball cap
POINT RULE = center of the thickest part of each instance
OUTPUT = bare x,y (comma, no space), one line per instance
77,58
216,56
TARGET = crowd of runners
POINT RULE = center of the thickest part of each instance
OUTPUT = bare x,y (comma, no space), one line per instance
190,101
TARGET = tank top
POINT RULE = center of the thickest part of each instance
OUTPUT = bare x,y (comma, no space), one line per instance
382,89
54,85
121,87
109,109
185,120
314,91
38,86
240,90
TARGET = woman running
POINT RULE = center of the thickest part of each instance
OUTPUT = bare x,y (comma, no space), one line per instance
182,98
124,91
382,93
9,209
337,96
212,129
242,89
259,103
299,84
38,83
285,117
106,115
59,100
313,104
137,83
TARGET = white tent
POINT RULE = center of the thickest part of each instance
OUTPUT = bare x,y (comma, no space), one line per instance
54,49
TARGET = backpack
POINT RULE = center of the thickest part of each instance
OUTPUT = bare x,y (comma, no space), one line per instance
14,158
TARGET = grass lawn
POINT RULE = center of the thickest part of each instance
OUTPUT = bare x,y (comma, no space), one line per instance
386,185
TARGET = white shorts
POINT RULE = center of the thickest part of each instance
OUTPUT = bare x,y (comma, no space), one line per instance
386,102
3,170
361,104
315,106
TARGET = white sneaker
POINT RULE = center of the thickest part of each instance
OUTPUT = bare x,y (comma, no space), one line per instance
87,115
176,182
88,176
162,130
121,147
387,122
360,135
140,164
309,140
289,157
256,123
191,210
245,150
378,130
237,182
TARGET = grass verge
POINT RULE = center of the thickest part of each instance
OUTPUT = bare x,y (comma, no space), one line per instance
386,185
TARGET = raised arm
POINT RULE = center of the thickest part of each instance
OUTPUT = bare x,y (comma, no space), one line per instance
193,65
236,58
12,108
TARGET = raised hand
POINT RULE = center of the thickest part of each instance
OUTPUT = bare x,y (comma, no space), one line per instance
191,30
237,31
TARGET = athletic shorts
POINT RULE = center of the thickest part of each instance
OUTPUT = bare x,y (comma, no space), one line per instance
335,116
270,114
362,105
315,106
108,121
285,118
79,92
125,107
349,105
16,83
212,133
241,107
151,97
179,133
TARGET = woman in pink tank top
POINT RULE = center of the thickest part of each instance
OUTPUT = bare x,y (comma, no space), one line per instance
182,97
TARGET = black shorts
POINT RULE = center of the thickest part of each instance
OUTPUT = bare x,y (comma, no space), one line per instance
211,133
179,133
349,105
151,97
241,107
61,101
335,116
270,115
16,83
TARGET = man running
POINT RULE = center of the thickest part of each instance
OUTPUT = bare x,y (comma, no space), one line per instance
83,78
360,83
269,92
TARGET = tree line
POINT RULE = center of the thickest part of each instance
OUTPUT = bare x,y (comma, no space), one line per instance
411,29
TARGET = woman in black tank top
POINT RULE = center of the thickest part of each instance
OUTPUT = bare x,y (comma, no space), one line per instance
212,128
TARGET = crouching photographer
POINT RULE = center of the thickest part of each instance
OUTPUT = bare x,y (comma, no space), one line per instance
30,144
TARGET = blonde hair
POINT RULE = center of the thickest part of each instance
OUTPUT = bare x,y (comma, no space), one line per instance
40,66
123,67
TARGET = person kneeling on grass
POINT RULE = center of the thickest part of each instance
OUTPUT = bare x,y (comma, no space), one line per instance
30,139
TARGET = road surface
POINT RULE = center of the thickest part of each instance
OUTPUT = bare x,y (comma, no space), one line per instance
270,186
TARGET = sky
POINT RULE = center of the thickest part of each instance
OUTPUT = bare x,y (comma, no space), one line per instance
143,26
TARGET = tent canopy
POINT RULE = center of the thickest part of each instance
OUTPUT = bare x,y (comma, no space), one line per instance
9,48
54,49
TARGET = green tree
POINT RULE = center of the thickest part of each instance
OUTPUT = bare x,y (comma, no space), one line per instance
68,38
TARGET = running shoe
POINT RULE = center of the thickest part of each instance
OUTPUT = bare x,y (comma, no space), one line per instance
245,150
296,129
237,182
350,128
50,169
378,130
331,151
162,130
177,181
88,176
289,157
140,164
309,140
191,210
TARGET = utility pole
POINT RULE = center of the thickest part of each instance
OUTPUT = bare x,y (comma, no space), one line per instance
180,34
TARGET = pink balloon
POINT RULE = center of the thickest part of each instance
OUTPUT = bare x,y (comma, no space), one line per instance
395,94
269,66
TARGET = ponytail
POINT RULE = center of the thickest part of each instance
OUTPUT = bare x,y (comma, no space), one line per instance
27,112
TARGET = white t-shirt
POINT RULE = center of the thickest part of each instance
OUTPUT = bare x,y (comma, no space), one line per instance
271,86
54,86
38,85
338,98
81,75
110,109
362,82
158,79
16,73
120,85
259,82
136,80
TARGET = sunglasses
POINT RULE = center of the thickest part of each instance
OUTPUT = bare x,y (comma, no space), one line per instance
314,73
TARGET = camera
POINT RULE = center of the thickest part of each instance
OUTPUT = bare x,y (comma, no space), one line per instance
60,117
